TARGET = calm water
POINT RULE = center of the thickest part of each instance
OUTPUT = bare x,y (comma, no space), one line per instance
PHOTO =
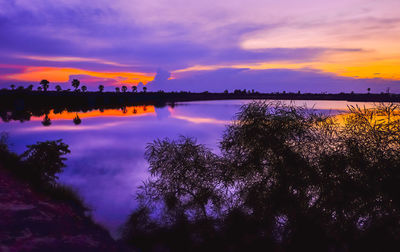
107,161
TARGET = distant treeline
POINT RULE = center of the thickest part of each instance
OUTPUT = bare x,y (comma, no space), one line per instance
21,104
26,98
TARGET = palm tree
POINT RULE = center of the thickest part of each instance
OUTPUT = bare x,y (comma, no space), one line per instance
369,90
58,88
75,84
30,87
39,89
83,88
117,89
124,88
144,89
134,89
12,86
101,88
45,84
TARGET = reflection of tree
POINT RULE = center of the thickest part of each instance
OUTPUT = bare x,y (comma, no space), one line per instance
77,120
46,120
134,111
124,110
144,108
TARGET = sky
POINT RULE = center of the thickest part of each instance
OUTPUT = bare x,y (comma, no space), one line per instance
287,45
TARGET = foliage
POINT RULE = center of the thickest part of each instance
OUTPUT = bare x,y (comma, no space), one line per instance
43,160
287,178
39,166
45,84
75,83
63,193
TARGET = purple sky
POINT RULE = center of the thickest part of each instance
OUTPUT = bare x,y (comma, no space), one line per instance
333,46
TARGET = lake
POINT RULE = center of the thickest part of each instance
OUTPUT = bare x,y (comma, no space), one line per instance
107,163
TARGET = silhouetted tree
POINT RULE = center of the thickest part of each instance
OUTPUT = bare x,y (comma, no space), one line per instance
286,179
134,89
12,86
75,84
117,89
39,88
144,89
45,84
101,88
124,88
226,91
369,90
77,120
58,88
83,88
30,87
46,121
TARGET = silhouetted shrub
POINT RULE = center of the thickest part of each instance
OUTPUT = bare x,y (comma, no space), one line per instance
287,179
39,166
43,160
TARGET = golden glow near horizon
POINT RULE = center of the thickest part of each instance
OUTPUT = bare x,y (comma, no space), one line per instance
55,74
129,111
348,38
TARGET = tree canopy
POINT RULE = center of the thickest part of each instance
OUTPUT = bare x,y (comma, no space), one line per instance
286,178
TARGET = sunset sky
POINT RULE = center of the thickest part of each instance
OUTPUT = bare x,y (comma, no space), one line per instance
291,45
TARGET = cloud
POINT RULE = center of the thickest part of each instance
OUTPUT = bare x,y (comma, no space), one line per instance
141,36
271,80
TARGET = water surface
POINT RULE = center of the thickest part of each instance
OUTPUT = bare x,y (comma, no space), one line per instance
107,163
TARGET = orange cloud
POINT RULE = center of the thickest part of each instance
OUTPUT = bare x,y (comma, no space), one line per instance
56,74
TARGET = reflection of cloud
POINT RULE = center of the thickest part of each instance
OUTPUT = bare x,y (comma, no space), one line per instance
129,111
197,120
69,127
201,119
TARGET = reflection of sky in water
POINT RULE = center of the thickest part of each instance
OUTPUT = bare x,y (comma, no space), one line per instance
107,164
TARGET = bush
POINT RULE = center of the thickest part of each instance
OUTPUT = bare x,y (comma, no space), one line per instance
43,160
287,179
